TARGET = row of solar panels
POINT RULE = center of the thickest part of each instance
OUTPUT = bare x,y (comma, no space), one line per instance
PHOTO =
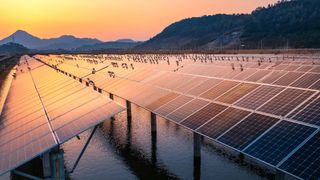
278,125
45,109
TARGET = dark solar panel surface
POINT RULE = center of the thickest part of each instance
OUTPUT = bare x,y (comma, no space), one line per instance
277,143
186,110
309,112
163,100
259,96
305,162
173,105
223,122
236,93
247,130
203,115
218,90
286,101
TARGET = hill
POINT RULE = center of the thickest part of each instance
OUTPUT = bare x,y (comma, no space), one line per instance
286,24
121,44
13,48
32,42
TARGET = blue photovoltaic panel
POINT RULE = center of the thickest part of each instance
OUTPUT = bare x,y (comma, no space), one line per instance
308,112
276,144
203,115
305,163
247,130
223,122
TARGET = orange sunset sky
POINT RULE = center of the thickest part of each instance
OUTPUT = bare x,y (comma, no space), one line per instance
109,19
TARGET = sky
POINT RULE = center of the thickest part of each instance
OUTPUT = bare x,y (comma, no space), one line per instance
109,19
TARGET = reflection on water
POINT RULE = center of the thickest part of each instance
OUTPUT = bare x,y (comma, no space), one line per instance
123,149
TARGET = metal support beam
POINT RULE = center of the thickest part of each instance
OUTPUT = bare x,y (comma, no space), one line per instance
57,165
196,156
196,145
153,123
129,113
26,175
46,165
84,149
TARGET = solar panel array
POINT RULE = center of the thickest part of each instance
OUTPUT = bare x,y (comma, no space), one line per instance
43,110
264,106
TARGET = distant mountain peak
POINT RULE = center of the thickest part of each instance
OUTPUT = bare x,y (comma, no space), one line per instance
126,40
32,42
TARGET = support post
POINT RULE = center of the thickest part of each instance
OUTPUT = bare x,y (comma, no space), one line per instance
129,113
196,145
196,156
111,96
46,165
153,123
57,165
153,138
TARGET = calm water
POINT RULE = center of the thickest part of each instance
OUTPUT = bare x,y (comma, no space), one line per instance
120,150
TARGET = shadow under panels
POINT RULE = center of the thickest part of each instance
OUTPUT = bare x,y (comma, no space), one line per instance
286,101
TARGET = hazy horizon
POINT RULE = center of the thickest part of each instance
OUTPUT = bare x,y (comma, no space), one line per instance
109,20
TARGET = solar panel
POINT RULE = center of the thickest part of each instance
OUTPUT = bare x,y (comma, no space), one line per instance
24,128
203,87
163,100
309,112
258,75
218,90
186,110
186,86
307,80
247,130
305,162
236,93
153,87
224,121
203,115
288,78
277,143
286,101
316,85
173,105
272,76
259,96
